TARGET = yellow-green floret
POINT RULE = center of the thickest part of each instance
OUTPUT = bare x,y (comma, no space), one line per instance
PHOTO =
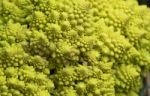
73,47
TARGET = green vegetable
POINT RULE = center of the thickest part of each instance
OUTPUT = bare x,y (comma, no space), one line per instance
73,47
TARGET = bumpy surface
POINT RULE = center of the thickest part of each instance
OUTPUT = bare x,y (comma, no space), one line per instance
73,47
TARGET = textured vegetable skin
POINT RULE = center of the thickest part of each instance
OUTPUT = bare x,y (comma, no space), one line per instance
73,47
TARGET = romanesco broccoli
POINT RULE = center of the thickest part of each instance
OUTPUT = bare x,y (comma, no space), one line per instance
73,47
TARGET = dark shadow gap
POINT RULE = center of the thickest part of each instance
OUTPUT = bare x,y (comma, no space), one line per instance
144,2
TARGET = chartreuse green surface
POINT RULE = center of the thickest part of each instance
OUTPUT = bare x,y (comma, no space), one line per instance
73,47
